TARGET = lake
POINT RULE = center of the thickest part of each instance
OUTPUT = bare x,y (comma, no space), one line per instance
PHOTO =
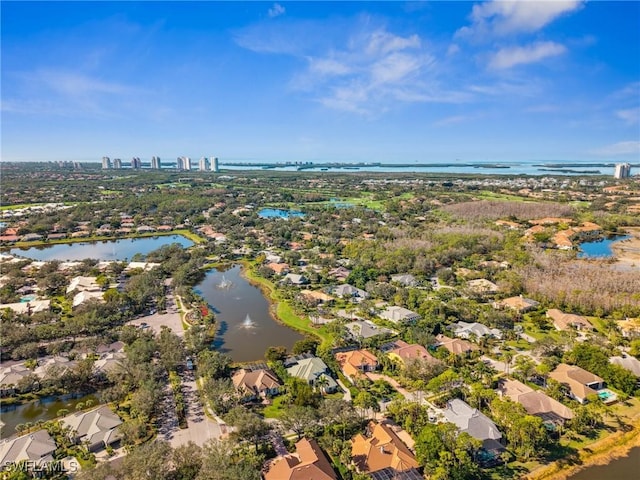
245,327
44,409
599,248
625,468
106,250
278,213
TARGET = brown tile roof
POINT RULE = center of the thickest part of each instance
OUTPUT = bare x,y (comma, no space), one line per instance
456,346
564,321
352,362
533,401
278,267
255,381
308,463
382,449
407,352
576,378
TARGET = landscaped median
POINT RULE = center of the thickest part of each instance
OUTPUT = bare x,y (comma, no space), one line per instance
282,309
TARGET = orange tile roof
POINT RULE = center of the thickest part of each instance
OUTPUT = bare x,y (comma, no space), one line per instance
308,463
352,362
382,449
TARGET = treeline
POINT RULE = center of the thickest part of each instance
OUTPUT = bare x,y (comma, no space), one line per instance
491,210
582,287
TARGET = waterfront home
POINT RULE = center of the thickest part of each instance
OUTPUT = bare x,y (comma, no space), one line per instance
475,423
581,383
519,304
354,363
312,370
57,364
363,329
108,362
316,297
567,321
307,463
406,353
254,384
467,330
455,346
36,447
399,315
97,428
535,402
295,279
381,454
145,266
278,268
10,377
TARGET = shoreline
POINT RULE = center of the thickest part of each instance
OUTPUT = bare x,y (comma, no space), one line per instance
600,452
627,252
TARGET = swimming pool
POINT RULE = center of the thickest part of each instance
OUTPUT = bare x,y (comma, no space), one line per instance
27,298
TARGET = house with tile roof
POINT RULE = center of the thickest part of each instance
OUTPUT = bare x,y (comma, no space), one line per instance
456,346
581,383
382,455
363,329
97,428
475,423
627,362
37,447
535,402
10,377
567,321
355,362
399,315
312,370
307,463
349,291
406,353
519,304
259,383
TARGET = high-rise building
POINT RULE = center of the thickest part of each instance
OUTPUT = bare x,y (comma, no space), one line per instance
214,164
203,164
155,163
623,170
117,163
106,163
179,163
136,163
187,163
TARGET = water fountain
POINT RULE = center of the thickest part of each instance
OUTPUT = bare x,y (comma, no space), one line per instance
247,323
224,283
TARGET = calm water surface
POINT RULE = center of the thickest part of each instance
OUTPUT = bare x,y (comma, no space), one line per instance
44,409
278,213
119,250
600,248
625,468
246,329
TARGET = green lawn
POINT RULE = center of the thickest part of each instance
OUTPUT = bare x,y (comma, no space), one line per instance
276,409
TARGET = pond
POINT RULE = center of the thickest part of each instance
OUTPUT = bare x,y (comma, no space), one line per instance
119,250
43,409
278,213
624,468
599,248
245,326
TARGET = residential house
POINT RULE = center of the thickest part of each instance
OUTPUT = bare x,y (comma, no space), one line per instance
399,315
86,296
36,447
30,307
10,377
382,455
568,321
535,402
628,363
355,362
363,329
455,346
259,383
55,364
308,463
468,330
340,273
406,353
83,284
108,362
475,423
295,279
519,304
316,297
482,286
312,370
278,268
629,327
581,383
349,291
97,428
405,279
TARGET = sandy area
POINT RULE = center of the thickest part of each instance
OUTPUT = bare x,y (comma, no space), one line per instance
627,252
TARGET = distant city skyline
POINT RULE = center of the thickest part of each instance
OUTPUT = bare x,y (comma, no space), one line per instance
392,82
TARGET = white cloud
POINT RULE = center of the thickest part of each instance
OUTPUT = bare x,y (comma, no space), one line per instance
276,10
630,116
511,56
500,18
620,148
452,120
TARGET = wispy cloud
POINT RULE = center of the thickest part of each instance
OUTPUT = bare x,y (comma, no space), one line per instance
276,10
511,56
500,18
620,148
631,116
452,120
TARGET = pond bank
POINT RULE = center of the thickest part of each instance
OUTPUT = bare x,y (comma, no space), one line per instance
627,252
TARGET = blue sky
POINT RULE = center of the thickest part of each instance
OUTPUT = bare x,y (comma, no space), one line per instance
325,81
